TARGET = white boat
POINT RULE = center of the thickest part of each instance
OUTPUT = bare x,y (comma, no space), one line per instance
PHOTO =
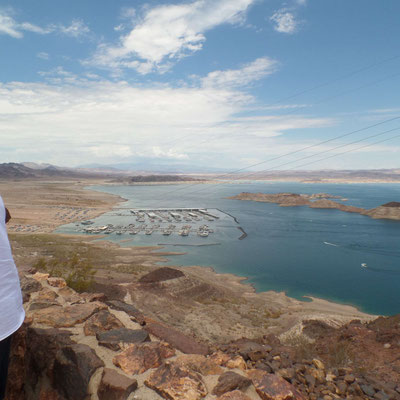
364,265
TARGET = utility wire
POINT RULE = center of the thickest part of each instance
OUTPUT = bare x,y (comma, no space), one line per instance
325,99
348,151
301,159
309,156
316,103
288,154
299,93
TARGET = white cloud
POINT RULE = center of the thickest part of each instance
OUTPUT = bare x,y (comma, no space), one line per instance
9,26
284,21
27,26
250,72
76,29
43,55
168,33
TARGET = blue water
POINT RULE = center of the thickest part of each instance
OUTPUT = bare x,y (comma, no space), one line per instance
285,249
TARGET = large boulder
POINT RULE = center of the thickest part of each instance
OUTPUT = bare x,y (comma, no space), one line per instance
42,347
114,386
66,316
230,381
138,358
101,322
175,338
73,367
127,308
173,382
199,363
117,339
273,387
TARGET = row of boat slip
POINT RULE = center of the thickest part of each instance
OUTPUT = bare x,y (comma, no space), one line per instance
131,229
173,215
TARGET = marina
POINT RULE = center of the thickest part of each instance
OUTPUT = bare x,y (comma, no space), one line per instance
164,221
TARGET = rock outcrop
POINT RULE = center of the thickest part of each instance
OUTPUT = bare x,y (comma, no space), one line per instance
83,346
386,211
389,210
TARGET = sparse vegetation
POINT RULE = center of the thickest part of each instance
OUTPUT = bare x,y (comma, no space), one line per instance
77,272
74,260
340,355
304,348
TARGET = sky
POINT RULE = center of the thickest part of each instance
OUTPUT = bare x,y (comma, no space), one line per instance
212,84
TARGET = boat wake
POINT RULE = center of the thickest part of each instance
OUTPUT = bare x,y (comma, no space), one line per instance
331,244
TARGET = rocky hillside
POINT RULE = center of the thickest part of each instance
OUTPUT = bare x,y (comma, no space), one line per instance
389,210
92,346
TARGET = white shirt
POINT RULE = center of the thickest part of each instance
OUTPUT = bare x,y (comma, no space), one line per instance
12,313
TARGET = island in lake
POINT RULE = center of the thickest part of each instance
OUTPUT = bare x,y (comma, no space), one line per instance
389,210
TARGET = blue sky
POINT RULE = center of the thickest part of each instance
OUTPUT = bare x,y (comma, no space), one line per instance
221,83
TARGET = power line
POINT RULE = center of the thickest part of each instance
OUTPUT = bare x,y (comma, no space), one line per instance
322,152
327,83
304,158
289,154
316,103
348,151
334,80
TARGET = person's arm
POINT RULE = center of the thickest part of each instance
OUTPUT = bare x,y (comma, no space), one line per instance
8,215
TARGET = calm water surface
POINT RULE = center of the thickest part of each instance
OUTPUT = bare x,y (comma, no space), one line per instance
298,250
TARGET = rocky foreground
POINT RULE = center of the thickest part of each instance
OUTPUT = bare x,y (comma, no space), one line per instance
92,346
389,210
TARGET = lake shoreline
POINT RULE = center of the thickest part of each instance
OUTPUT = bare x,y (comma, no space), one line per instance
292,309
318,307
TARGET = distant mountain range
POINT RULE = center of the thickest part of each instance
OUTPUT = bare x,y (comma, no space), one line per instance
35,171
126,172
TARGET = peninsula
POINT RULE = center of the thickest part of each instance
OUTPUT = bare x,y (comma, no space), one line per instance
389,210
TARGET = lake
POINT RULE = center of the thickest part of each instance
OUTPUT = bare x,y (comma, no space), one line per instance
302,251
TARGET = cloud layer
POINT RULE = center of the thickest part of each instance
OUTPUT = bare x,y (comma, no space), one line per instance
71,119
